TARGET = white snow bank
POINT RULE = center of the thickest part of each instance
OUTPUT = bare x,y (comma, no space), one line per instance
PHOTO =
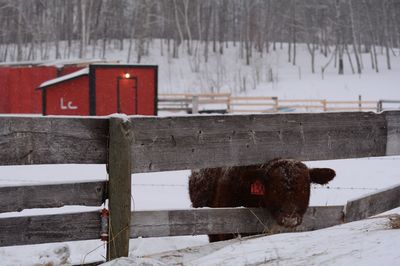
367,242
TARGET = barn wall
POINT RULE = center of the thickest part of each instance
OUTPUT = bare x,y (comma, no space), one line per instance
64,97
18,92
4,91
19,88
106,87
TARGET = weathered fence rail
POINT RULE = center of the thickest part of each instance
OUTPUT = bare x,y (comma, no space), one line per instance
224,220
176,143
148,144
49,196
373,204
47,140
28,230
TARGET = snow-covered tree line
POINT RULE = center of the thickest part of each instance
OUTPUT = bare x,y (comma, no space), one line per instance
337,28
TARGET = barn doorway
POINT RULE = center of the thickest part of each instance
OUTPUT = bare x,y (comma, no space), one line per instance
127,95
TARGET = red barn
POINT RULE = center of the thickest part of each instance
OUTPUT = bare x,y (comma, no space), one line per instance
17,88
18,83
102,89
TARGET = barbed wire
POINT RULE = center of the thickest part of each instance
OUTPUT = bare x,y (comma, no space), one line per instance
159,185
347,188
313,187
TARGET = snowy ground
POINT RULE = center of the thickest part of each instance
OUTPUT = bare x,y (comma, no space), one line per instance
168,190
367,242
229,73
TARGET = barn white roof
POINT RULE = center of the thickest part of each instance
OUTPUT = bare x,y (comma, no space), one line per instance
82,72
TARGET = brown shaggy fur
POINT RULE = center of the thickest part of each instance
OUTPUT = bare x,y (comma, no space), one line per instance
285,189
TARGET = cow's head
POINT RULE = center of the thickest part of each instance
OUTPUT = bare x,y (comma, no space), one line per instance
283,187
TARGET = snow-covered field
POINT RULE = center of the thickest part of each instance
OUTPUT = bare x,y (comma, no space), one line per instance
228,73
369,242
168,190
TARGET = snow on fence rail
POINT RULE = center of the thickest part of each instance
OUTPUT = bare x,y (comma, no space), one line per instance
225,103
149,144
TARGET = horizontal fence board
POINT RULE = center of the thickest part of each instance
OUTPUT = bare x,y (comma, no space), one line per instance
350,108
253,98
48,196
177,143
184,100
373,204
224,220
302,106
269,110
252,104
49,228
212,95
302,101
51,140
351,102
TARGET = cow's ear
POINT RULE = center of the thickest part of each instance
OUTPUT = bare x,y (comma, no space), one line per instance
321,175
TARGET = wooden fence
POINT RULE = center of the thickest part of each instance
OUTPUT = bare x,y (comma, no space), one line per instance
389,105
150,144
225,103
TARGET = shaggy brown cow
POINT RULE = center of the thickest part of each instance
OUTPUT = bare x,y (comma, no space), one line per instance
281,185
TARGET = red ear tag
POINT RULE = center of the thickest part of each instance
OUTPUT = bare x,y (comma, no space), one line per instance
257,188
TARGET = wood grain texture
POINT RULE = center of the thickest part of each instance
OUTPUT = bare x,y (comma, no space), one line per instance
49,228
52,140
373,204
119,189
49,196
393,138
177,143
224,220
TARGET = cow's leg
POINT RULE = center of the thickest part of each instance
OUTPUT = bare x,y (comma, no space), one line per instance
221,237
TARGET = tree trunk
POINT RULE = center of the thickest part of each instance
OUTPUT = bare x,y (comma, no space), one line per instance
294,31
339,38
372,36
189,33
353,30
214,18
207,31
311,50
386,31
178,25
82,48
19,32
350,61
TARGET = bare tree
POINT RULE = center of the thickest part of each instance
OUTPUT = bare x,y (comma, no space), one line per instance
40,29
354,39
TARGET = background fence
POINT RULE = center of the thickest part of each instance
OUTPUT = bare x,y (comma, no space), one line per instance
150,144
225,103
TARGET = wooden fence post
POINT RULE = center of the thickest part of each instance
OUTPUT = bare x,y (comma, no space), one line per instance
119,191
379,106
276,104
195,104
324,105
